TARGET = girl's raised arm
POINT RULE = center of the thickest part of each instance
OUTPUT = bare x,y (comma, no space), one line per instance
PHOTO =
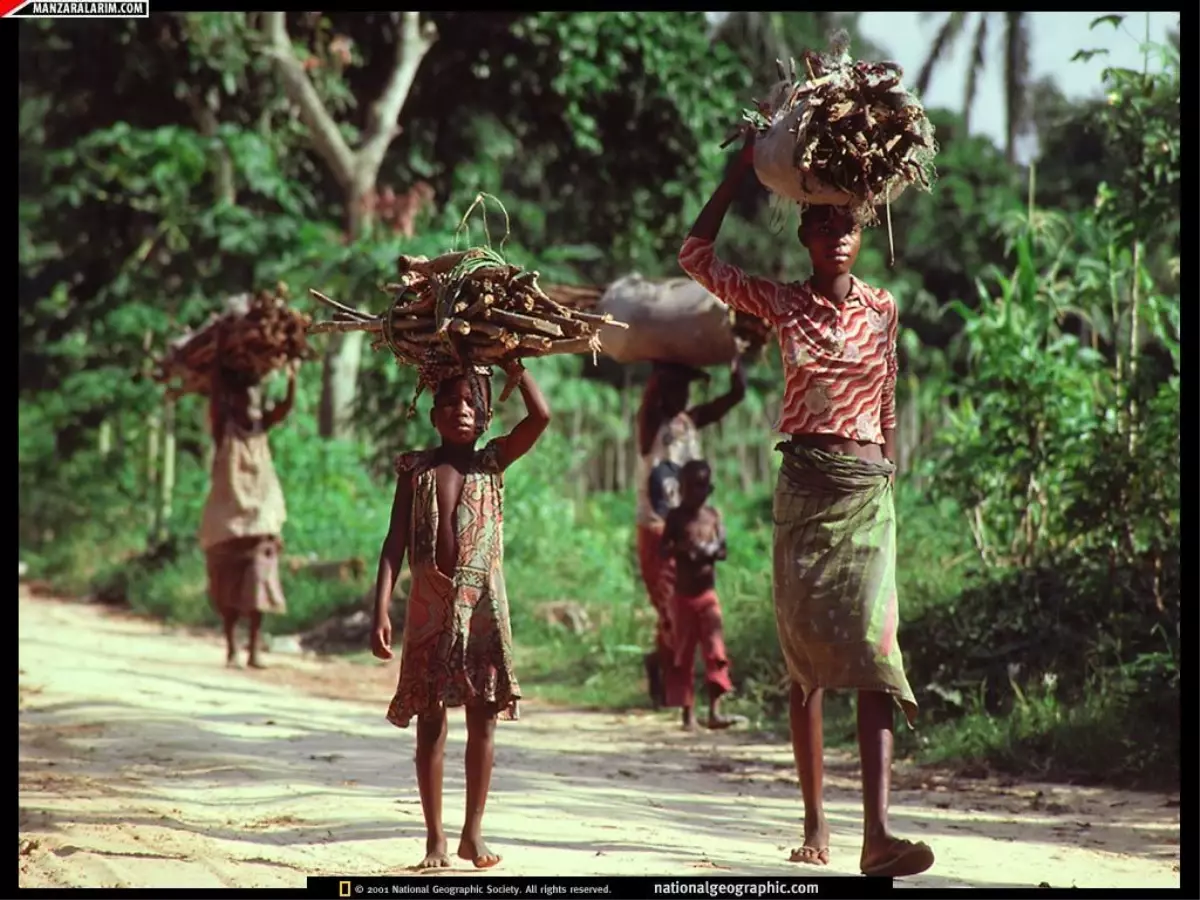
746,293
525,433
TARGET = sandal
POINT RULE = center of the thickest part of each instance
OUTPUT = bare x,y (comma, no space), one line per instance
904,858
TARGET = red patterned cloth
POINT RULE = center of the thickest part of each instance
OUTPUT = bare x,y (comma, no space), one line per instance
658,575
696,625
839,360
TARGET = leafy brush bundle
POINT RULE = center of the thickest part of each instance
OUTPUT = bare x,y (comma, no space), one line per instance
257,334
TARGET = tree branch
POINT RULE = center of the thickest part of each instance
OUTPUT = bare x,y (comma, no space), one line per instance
327,139
413,41
224,184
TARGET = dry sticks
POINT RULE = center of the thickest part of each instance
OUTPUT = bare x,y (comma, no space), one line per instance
469,308
855,128
254,336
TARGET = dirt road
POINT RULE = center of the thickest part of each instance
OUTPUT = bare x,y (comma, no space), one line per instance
144,763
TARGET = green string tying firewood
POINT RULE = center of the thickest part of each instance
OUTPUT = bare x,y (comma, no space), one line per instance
468,308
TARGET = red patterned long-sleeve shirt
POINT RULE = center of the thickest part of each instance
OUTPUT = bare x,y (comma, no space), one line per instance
839,360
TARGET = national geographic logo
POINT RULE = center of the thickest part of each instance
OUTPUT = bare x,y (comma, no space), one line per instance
97,9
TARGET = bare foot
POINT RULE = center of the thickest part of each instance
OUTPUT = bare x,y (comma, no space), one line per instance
886,856
436,856
815,850
476,852
256,663
717,723
232,661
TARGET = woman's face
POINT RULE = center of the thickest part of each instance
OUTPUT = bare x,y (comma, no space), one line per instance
672,390
833,240
239,400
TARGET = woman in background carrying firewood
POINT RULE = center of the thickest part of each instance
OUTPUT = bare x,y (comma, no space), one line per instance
667,440
835,521
244,514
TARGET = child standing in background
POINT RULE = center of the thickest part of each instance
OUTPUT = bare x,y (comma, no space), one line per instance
448,515
694,537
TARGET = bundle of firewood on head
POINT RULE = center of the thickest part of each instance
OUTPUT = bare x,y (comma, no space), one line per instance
841,133
256,334
468,309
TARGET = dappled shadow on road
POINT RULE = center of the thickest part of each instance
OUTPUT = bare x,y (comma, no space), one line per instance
232,764
131,754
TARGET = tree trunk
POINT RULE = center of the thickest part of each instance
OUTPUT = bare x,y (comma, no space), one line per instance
339,383
166,485
343,351
355,170
150,482
104,439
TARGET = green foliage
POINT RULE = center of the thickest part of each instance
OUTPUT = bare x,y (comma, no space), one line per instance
682,84
1025,415
1064,455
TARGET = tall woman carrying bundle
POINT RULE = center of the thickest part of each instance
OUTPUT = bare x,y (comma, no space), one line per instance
835,524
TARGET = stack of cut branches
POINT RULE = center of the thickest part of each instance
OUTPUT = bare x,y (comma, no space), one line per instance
469,308
842,132
257,334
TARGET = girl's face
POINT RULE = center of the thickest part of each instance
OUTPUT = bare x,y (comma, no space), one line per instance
454,414
695,485
833,240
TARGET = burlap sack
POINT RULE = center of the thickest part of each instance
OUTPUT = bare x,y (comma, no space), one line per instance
670,321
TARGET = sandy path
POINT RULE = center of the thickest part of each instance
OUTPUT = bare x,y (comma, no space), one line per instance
144,763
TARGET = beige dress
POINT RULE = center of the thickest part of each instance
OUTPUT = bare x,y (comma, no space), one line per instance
241,525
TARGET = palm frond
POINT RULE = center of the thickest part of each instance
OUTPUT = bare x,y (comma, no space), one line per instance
974,69
1016,78
947,35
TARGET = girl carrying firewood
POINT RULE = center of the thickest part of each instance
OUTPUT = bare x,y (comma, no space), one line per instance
448,516
244,513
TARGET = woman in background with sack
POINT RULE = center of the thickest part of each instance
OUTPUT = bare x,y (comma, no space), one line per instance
244,514
668,438
835,524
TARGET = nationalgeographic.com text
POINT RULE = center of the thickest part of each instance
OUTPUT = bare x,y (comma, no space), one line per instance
736,889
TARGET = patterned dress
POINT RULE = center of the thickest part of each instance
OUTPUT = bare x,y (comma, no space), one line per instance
457,647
